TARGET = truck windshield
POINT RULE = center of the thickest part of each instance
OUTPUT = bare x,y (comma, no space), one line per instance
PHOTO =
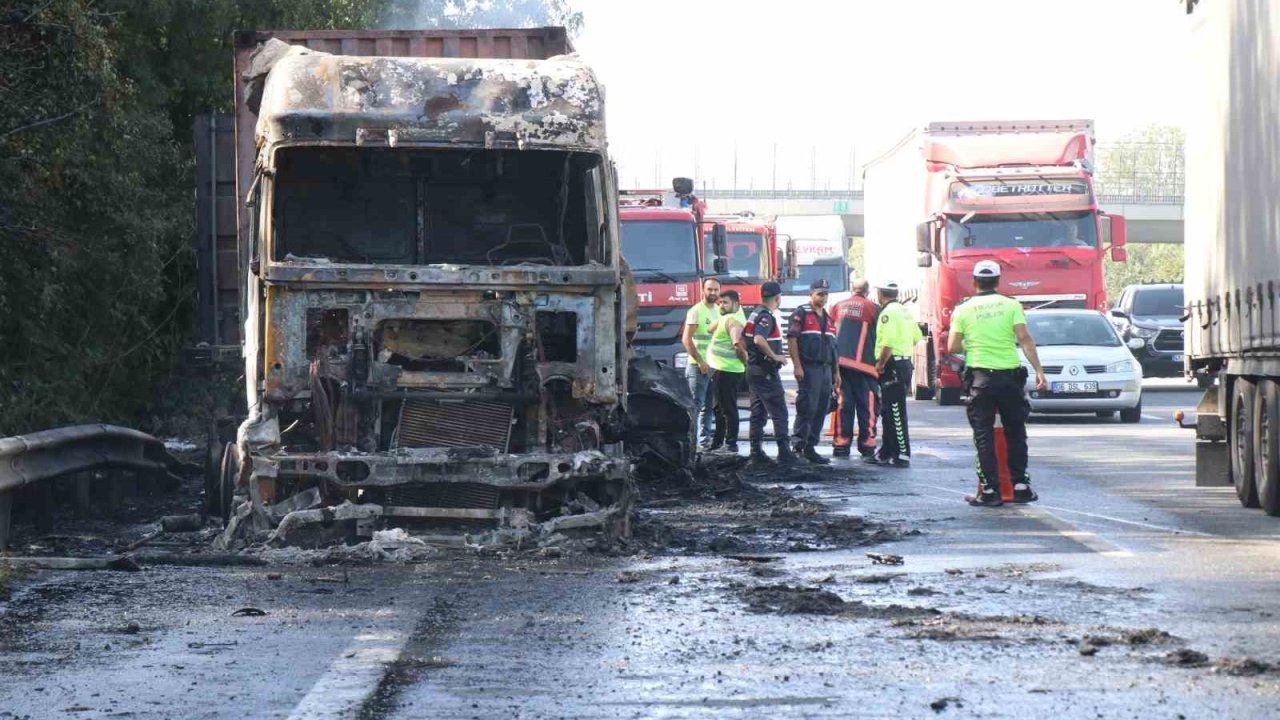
1074,229
746,259
835,272
1167,301
465,207
659,245
1050,328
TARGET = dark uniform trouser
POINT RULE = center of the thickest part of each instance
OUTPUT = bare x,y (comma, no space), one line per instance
813,400
768,402
859,400
1001,391
893,409
724,388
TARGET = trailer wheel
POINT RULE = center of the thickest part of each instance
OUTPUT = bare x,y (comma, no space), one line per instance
1240,437
1266,443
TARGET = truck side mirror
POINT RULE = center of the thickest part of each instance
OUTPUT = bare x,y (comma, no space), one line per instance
682,185
924,238
924,259
719,241
720,265
793,266
1117,237
780,262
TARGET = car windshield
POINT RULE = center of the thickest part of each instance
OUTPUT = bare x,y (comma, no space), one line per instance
659,246
1049,329
745,258
1022,230
1167,301
835,272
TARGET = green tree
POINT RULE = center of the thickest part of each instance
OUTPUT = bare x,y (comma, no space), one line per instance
1146,163
1147,263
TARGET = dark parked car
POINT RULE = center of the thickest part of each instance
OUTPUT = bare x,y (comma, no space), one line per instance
1153,314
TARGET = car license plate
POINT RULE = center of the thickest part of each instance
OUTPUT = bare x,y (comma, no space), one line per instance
1072,388
1178,358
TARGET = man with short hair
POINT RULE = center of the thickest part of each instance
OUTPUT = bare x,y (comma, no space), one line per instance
811,334
696,335
896,338
987,328
728,360
763,339
855,319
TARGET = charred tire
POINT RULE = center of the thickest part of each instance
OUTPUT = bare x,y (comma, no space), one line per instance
1240,441
1266,445
1133,414
228,473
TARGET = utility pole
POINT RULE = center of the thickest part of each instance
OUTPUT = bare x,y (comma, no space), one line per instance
735,165
774,183
813,167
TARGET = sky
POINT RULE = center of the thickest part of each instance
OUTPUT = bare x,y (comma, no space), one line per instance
831,84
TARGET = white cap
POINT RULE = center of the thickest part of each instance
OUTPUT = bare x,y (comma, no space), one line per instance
987,269
890,286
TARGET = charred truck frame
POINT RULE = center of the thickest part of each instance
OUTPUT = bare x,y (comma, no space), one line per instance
433,297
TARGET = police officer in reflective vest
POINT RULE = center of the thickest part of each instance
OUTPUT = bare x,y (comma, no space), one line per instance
985,328
728,361
855,319
811,334
896,338
763,339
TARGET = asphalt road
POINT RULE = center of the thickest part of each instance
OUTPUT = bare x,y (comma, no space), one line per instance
987,617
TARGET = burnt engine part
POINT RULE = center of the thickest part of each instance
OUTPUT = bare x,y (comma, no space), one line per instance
659,426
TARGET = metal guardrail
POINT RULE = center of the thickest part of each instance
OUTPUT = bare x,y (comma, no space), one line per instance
1116,198
26,460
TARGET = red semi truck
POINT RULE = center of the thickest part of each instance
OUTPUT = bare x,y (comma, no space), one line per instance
663,243
1019,193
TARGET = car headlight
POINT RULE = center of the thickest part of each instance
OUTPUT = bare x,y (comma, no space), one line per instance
681,361
1123,366
1143,332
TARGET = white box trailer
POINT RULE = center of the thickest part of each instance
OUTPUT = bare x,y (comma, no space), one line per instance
1233,243
822,250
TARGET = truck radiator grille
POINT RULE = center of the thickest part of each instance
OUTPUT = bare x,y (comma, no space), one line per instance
445,495
425,424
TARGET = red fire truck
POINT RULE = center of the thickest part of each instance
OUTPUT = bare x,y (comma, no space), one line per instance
663,242
751,253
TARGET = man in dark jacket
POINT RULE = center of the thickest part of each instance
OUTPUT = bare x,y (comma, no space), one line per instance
811,334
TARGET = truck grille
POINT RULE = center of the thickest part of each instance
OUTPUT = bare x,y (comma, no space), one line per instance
446,495
1168,341
426,424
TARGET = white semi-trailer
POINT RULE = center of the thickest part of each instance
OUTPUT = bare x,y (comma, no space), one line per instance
1233,243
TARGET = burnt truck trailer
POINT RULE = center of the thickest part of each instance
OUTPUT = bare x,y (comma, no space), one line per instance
433,301
1233,244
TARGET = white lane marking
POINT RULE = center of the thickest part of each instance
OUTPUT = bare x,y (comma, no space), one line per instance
1157,418
1097,516
352,677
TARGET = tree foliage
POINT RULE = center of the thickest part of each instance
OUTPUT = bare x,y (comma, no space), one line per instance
1146,163
1147,263
97,186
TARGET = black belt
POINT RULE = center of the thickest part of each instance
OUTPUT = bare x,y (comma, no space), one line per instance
1001,371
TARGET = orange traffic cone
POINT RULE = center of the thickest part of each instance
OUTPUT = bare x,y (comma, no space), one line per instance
1002,464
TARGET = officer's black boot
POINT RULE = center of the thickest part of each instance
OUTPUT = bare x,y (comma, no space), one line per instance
812,456
841,451
988,496
757,460
1022,492
786,457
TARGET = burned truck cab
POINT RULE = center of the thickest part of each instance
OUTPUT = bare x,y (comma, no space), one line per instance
433,290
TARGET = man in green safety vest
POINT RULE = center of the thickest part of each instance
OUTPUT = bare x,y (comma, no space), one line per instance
896,337
696,335
988,328
727,357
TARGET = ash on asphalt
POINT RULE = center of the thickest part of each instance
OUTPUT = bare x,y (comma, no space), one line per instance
728,508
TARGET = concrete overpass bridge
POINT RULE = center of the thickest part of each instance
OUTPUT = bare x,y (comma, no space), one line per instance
1152,218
